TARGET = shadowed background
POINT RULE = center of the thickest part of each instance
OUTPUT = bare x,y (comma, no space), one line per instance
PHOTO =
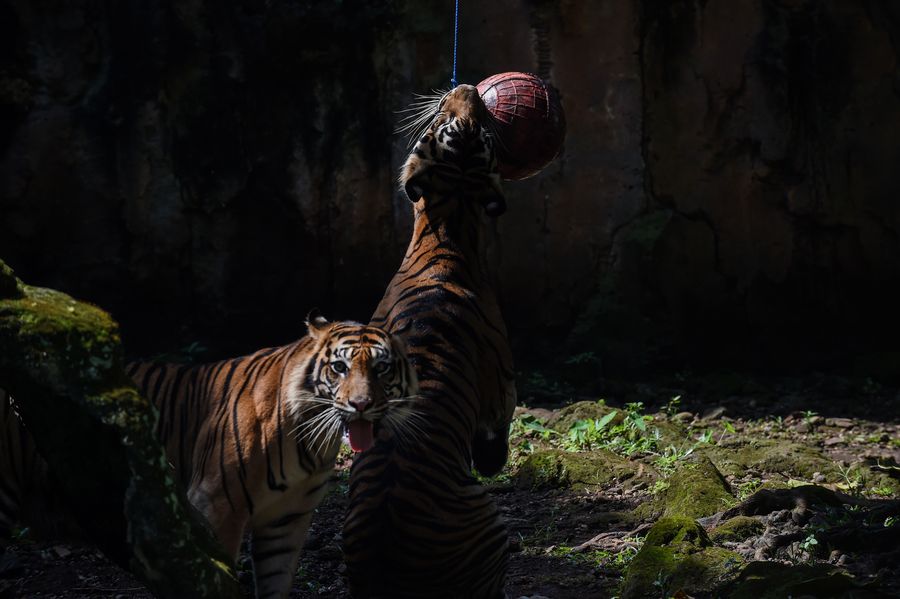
210,171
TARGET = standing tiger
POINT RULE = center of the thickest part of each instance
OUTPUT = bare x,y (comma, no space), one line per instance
228,430
418,523
253,440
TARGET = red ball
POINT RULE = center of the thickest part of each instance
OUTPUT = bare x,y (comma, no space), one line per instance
529,120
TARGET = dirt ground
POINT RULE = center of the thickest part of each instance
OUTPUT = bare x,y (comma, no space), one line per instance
775,435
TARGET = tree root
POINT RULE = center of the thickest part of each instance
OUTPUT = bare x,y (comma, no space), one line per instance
612,541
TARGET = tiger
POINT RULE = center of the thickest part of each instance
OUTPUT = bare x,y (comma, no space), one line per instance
418,524
253,440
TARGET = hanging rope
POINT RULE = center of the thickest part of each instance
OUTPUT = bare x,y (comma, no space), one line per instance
455,43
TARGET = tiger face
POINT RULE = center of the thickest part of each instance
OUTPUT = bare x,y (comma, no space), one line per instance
358,378
455,154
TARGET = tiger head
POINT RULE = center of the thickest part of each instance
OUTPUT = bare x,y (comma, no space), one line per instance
454,156
357,378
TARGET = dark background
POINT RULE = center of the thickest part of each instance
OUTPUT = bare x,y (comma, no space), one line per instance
209,171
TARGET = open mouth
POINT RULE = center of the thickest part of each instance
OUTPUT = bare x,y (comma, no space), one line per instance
361,433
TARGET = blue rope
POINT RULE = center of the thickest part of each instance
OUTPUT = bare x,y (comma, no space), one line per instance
455,43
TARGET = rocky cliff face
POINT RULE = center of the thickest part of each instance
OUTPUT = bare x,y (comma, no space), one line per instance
214,170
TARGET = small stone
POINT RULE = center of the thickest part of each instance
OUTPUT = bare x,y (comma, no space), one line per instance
834,556
780,516
713,413
843,560
832,441
61,551
683,417
840,422
818,478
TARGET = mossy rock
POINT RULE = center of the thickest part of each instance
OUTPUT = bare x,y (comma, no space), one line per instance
62,362
696,489
557,468
679,533
678,555
773,580
563,420
739,528
769,455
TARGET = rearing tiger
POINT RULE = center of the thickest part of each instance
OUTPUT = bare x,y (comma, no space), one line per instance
418,523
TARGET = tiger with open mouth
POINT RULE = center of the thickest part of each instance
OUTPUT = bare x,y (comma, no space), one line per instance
253,440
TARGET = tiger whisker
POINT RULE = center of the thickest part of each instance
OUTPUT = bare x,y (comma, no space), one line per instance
324,432
304,427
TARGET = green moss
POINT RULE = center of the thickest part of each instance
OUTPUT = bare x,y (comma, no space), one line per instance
83,339
557,468
737,529
769,455
650,565
696,489
677,556
773,580
679,533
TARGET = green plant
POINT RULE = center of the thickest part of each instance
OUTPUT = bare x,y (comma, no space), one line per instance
808,416
672,407
670,456
891,521
628,436
883,491
746,489
853,480
809,544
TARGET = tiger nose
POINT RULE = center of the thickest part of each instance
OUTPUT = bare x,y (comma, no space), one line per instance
360,403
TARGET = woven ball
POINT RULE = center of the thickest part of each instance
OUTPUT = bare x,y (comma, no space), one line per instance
530,122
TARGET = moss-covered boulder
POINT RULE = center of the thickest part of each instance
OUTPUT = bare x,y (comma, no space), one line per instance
696,489
61,360
737,529
563,420
678,556
557,468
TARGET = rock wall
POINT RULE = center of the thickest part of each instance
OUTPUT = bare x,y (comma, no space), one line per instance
212,171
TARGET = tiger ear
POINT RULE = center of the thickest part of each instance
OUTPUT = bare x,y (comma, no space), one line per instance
316,324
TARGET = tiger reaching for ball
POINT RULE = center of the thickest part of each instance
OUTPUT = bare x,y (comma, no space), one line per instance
418,523
254,439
